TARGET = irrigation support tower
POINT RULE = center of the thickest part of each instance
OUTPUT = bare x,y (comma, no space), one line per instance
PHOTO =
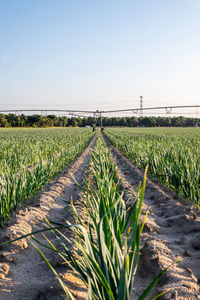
141,106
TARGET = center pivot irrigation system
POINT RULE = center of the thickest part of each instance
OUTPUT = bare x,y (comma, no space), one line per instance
98,114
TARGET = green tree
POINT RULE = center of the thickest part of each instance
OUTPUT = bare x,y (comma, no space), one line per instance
3,121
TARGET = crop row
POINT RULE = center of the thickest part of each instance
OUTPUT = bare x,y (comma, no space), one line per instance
173,155
29,158
105,248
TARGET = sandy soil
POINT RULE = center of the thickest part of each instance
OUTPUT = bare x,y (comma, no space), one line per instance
23,273
171,232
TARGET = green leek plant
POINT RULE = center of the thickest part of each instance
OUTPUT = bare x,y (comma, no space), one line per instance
172,154
19,181
105,248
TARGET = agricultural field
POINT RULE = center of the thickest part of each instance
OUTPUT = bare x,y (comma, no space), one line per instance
101,230
31,157
172,154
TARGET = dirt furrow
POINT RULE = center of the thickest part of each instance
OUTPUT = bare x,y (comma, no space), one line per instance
171,232
23,273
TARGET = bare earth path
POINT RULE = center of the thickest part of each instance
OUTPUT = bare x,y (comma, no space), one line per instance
172,232
23,273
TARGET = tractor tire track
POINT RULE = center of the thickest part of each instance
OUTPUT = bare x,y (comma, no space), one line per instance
171,232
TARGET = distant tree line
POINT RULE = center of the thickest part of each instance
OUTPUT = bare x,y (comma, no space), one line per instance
13,120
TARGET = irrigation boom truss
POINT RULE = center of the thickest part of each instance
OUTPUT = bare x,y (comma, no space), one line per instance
168,110
46,110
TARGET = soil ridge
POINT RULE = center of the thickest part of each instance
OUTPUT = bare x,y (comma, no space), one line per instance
171,232
23,273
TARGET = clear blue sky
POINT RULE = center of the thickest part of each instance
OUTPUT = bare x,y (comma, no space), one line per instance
99,54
